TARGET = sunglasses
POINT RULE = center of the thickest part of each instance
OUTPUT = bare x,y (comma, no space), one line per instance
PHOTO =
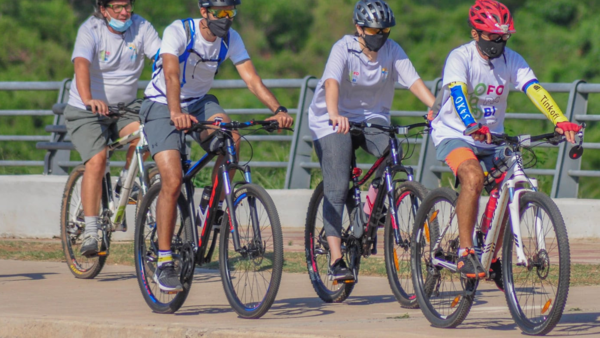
119,8
373,31
223,13
496,37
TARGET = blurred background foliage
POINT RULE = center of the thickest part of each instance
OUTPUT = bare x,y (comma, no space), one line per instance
292,39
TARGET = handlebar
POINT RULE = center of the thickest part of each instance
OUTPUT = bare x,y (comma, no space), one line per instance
267,125
396,129
117,110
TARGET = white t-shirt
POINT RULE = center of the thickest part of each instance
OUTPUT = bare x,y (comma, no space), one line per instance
487,88
366,88
199,75
116,60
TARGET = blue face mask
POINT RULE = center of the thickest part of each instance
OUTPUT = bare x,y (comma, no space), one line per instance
119,25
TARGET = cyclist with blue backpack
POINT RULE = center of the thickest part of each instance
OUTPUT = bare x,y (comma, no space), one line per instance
185,67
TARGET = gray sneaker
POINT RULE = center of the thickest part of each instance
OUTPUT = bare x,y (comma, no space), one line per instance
167,278
89,247
135,192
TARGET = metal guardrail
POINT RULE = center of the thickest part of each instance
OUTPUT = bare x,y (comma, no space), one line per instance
428,170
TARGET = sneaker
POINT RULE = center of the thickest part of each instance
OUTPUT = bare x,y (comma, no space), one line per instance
135,192
89,247
339,271
167,278
469,266
496,273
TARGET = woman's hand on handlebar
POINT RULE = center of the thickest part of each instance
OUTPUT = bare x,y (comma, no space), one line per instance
97,107
183,120
341,122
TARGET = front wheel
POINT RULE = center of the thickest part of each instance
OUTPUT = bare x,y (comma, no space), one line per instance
72,228
537,292
408,198
251,275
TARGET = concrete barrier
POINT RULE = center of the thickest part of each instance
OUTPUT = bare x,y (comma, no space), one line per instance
30,208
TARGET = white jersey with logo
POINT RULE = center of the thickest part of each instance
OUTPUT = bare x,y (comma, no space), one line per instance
366,87
116,60
199,74
488,84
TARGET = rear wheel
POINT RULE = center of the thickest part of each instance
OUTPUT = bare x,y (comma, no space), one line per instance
537,293
146,253
408,198
72,228
317,251
251,276
443,296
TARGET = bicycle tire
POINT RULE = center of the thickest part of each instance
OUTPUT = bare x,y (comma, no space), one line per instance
72,227
446,309
397,257
259,258
315,244
146,252
517,293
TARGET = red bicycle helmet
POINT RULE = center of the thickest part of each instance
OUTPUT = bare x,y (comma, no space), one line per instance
491,16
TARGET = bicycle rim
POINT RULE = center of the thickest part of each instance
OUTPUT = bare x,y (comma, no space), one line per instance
440,291
72,228
317,251
537,293
409,196
146,253
251,277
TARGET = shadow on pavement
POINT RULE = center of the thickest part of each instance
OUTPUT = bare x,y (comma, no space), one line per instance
579,324
26,276
115,276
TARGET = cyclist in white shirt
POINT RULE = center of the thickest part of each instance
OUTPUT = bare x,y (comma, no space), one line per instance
108,58
476,82
190,55
357,85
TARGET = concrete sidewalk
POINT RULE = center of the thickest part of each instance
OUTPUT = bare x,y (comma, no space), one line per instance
42,299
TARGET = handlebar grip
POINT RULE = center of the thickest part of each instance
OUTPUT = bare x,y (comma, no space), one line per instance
88,108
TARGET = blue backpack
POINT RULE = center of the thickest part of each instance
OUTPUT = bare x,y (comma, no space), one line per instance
190,33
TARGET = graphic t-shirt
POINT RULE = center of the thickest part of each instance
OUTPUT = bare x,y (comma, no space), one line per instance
366,88
201,67
488,84
116,60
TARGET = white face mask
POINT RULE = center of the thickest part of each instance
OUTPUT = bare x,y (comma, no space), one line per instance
118,25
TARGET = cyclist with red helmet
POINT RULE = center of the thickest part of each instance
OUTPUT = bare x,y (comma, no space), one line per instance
476,80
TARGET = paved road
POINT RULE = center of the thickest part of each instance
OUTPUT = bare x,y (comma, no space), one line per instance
42,299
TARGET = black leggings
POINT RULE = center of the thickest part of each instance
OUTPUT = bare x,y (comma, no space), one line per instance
335,155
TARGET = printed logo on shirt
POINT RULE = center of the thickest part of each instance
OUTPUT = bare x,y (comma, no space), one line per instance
353,76
133,49
384,74
477,104
104,55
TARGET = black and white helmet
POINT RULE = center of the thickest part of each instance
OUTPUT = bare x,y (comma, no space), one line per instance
219,3
374,14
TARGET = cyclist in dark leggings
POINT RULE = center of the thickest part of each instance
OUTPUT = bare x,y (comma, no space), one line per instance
357,85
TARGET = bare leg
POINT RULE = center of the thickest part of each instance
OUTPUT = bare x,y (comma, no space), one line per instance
470,175
335,248
91,186
169,166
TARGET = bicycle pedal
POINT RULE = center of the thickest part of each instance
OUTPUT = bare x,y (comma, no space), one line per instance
102,253
347,281
170,292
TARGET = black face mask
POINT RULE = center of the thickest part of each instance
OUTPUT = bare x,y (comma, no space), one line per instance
219,27
375,42
491,49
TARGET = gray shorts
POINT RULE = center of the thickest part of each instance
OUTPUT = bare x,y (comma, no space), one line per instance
90,133
488,157
161,135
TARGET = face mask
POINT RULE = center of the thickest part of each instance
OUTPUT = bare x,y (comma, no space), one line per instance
119,25
375,42
491,49
219,27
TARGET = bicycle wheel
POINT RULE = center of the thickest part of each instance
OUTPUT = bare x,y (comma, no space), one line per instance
409,196
251,276
72,228
146,252
537,293
317,251
443,296
151,176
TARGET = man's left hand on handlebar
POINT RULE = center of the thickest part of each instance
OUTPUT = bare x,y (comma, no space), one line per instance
283,118
568,129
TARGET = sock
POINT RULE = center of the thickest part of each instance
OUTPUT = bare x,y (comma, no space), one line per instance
164,257
91,225
461,251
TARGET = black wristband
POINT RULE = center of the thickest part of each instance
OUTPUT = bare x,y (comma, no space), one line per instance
280,109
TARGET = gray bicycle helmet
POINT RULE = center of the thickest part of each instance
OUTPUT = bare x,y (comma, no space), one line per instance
374,14
103,3
219,3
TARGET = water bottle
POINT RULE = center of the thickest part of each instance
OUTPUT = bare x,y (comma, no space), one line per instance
119,184
370,201
486,219
204,202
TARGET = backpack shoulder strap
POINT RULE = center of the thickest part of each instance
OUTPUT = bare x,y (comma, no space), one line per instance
190,33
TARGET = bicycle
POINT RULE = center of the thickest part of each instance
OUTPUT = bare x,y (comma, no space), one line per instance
250,253
112,215
359,233
535,278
